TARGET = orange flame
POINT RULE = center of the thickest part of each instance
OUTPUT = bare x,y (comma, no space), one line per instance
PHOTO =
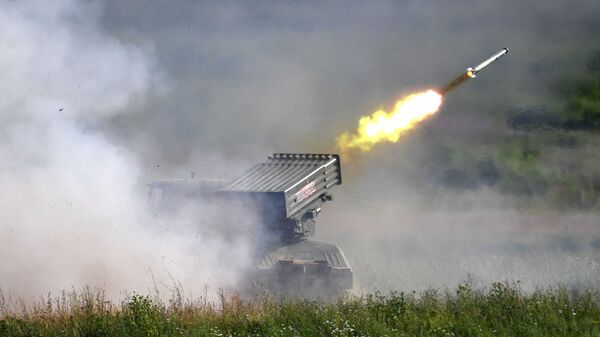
389,126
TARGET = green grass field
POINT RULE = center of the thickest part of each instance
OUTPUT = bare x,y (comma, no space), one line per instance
500,310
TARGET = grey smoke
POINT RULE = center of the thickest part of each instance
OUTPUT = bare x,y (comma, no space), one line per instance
73,210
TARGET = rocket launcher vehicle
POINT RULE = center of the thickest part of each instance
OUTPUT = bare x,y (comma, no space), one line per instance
287,192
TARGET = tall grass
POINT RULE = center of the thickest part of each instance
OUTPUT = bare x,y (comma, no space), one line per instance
500,310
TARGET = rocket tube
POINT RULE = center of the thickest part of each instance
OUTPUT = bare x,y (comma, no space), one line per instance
471,72
490,60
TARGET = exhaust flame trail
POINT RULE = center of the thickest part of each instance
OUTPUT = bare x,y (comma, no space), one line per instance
406,114
389,126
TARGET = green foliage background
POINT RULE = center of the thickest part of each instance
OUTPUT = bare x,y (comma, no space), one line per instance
546,156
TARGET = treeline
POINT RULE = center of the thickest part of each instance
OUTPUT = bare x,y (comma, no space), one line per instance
581,109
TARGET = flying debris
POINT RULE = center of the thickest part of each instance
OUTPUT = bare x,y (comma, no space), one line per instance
471,72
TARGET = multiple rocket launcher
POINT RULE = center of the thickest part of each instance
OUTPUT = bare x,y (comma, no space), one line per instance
288,191
471,72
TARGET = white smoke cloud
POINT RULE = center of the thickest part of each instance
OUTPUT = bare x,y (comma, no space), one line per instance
72,209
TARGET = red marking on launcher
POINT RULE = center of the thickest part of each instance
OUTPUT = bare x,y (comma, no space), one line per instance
305,191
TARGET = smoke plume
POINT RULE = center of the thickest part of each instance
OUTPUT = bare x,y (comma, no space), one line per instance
73,210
